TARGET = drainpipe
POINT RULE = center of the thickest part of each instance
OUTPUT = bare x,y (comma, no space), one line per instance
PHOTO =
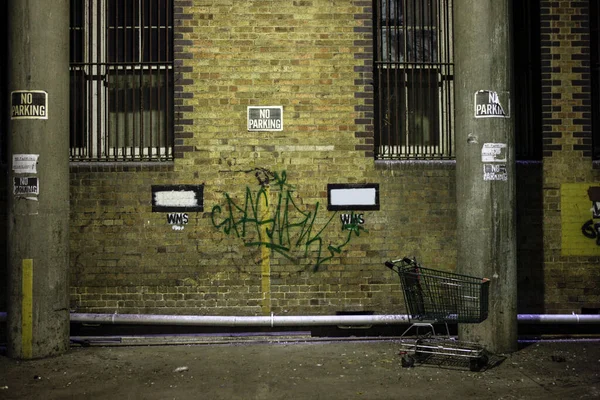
559,318
268,321
314,320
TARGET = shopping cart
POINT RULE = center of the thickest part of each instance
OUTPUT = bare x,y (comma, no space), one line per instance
434,296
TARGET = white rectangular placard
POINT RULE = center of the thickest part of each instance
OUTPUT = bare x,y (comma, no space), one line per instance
493,152
353,196
25,163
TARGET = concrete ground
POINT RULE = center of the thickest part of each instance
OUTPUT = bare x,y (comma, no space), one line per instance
299,369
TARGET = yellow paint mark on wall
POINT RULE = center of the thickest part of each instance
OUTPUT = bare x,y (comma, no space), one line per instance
27,309
265,256
575,212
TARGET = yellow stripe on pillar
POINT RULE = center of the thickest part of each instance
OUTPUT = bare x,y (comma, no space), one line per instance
27,309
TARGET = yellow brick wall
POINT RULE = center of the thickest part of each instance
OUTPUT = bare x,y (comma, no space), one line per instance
313,57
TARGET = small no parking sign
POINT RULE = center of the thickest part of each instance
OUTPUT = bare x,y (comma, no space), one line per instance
26,186
29,104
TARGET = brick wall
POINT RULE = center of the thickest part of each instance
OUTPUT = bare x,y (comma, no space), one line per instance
569,281
313,57
127,259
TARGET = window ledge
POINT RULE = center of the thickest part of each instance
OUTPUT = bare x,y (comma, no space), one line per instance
415,164
120,166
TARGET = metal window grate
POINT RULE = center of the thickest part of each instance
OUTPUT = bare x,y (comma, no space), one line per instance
414,73
121,64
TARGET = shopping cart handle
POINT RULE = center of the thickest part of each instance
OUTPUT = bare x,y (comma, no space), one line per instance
389,264
407,260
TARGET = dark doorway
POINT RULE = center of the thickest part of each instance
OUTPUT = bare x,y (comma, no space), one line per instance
527,107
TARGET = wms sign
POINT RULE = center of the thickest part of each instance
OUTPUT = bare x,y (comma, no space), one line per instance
176,200
178,220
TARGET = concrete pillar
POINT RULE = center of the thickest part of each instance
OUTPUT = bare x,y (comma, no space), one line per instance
485,164
38,314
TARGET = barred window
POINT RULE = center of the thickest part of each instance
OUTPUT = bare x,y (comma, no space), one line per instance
414,74
121,65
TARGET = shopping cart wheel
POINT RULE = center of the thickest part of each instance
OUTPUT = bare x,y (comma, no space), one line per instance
408,361
476,364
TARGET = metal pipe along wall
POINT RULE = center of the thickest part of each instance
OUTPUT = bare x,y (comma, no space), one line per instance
301,320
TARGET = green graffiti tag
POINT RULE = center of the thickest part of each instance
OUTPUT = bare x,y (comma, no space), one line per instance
283,229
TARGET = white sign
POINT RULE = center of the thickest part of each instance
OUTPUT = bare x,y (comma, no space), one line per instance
175,198
29,104
488,105
268,118
353,197
25,163
26,186
493,152
350,196
494,172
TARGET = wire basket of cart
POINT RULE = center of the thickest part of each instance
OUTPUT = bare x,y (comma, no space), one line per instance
433,296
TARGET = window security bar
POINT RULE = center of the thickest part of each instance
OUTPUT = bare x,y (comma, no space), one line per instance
414,79
121,80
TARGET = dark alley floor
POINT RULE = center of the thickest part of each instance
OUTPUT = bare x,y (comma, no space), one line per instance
300,369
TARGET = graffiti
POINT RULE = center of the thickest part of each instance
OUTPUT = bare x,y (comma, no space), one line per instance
285,228
591,230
